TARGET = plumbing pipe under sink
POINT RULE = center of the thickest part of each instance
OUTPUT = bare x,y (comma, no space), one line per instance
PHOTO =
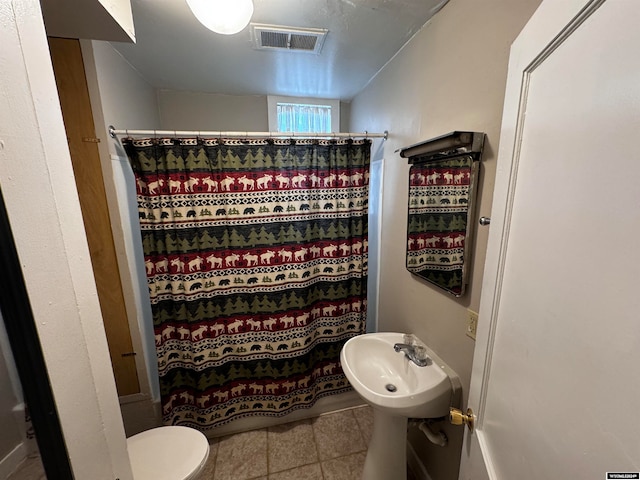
438,438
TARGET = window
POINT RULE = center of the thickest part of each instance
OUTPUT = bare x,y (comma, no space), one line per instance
297,117
303,115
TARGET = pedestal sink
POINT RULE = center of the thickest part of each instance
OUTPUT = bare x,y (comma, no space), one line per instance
397,389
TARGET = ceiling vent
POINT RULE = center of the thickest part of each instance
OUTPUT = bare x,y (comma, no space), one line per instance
276,37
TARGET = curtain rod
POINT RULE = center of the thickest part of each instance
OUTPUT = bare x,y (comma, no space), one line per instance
180,133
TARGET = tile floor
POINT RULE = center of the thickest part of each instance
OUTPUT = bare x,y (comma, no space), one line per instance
30,469
329,447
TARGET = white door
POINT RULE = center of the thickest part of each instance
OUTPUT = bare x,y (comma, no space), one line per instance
556,374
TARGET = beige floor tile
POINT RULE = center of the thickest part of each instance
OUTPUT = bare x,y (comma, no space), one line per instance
242,456
30,469
307,472
344,468
337,434
364,417
209,467
291,445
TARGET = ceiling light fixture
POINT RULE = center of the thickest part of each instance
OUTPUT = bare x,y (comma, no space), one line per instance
222,16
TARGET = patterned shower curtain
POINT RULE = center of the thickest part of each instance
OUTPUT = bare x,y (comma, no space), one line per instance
256,261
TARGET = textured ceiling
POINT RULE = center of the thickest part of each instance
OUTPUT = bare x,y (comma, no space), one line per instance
175,51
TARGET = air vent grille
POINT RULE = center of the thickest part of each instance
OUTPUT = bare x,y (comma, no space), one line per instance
275,37
303,42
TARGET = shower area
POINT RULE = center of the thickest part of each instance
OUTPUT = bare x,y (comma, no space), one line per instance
246,258
255,254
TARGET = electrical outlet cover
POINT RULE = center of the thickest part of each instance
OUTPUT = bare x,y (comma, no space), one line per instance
472,324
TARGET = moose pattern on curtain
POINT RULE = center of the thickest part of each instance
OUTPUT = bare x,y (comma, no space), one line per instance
256,261
438,208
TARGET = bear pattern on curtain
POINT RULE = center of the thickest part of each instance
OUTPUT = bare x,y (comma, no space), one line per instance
439,194
256,261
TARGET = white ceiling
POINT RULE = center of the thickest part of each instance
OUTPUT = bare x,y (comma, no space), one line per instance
174,51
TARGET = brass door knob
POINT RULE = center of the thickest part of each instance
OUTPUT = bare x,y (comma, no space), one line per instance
456,417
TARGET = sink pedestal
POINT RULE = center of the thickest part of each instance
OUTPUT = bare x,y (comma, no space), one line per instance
397,389
387,453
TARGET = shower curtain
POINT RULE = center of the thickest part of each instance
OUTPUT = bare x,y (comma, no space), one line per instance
256,261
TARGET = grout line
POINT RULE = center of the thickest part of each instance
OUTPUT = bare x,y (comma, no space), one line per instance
267,451
215,461
364,442
360,429
293,468
321,469
316,443
340,410
306,461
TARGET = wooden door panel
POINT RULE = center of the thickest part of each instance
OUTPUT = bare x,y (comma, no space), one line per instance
68,67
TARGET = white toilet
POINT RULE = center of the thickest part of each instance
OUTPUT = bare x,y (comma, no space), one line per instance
168,453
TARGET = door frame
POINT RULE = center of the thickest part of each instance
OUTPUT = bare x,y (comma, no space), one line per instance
73,91
42,205
28,357
550,25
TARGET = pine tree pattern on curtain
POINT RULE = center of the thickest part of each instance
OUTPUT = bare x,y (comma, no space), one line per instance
439,193
256,261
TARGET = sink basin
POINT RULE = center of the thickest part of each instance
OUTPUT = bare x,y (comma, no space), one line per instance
397,389
389,381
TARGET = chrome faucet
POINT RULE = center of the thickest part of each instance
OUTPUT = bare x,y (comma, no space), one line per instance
416,353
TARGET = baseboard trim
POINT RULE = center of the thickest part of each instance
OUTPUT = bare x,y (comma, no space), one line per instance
133,398
416,466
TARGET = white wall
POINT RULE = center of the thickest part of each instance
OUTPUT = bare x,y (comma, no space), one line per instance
450,76
218,112
126,99
210,111
122,98
42,202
